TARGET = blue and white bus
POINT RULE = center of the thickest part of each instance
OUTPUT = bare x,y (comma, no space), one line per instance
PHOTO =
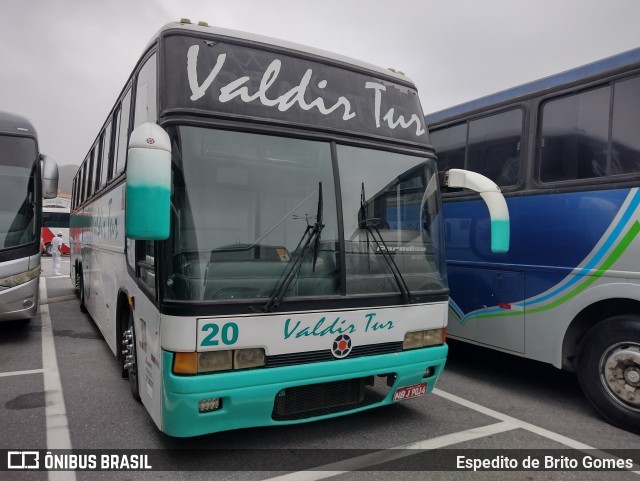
565,150
257,232
26,177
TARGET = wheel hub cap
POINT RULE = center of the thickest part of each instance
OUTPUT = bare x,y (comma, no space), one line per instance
127,344
621,374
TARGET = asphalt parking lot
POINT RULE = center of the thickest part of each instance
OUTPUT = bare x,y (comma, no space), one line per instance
60,388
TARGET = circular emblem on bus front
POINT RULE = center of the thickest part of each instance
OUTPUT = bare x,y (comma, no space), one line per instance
341,346
151,141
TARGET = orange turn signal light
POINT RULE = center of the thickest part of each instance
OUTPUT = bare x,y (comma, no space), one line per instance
185,363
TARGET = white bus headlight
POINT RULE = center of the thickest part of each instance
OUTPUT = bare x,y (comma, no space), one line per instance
412,340
434,337
215,361
430,337
246,358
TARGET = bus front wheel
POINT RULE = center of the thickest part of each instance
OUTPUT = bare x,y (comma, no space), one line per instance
130,360
609,370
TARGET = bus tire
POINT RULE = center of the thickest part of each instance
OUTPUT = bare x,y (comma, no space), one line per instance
608,368
48,250
130,359
83,305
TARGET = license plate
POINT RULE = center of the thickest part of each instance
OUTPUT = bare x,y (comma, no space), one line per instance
408,392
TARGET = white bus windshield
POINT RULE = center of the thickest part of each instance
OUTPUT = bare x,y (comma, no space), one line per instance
242,202
17,191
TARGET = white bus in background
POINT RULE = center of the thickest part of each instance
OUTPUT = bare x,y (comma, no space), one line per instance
26,177
55,219
279,256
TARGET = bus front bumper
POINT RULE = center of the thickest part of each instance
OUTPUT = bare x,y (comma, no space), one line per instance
248,396
19,302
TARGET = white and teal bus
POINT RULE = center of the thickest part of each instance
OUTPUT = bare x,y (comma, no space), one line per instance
257,232
565,151
26,177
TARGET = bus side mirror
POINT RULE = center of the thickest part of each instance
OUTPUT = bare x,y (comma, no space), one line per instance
49,177
490,193
148,194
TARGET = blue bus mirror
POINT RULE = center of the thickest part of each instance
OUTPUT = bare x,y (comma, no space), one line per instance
493,198
148,194
49,177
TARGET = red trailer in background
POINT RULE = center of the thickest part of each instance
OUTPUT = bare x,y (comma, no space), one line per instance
54,220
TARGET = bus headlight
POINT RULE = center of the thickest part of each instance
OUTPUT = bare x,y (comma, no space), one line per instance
17,279
246,358
430,337
412,340
434,337
212,361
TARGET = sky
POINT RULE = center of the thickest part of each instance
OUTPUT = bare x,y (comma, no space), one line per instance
64,62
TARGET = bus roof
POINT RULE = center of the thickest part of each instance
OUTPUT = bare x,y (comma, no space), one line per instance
592,71
15,124
264,40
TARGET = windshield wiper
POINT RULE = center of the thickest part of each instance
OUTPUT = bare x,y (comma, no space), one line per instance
371,225
310,239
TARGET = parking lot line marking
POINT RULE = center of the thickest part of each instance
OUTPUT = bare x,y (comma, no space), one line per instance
572,443
559,438
58,436
51,300
21,373
392,454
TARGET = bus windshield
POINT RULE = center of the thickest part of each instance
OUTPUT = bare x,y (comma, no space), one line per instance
242,202
17,191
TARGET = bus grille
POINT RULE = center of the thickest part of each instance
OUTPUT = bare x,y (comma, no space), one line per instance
282,360
314,400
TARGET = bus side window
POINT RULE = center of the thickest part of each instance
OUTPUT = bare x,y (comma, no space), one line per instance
625,141
494,147
450,144
574,136
73,191
95,158
83,185
106,155
98,163
122,133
